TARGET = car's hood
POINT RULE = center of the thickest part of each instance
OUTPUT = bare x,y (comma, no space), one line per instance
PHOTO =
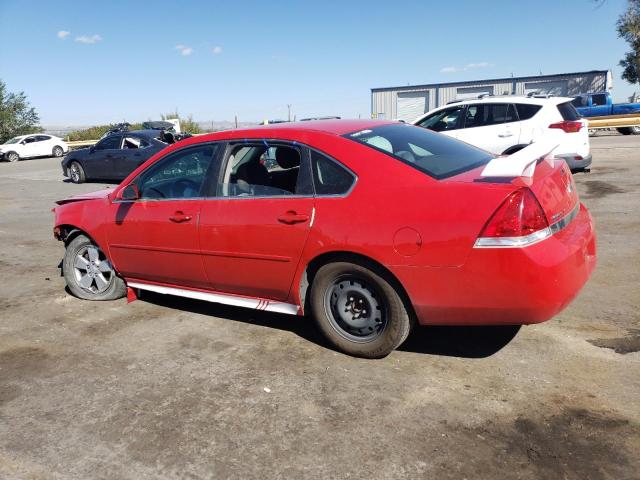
87,196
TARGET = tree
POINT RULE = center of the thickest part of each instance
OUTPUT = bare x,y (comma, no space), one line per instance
17,116
629,29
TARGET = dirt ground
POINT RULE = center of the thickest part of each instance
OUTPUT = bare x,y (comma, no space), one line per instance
172,388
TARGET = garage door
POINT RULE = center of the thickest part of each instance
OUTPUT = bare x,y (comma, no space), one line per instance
411,105
558,87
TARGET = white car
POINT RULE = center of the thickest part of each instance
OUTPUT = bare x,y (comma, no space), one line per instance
504,125
35,145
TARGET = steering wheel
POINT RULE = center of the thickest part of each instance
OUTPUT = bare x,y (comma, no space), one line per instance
180,186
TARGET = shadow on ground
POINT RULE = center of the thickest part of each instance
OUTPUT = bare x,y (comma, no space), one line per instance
464,342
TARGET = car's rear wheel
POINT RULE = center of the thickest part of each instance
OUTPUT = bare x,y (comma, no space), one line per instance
635,130
57,151
12,157
76,173
358,311
89,273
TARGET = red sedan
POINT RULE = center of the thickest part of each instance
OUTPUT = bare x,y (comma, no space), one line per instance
366,226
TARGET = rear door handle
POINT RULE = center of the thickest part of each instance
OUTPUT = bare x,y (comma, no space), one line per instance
179,217
292,217
506,134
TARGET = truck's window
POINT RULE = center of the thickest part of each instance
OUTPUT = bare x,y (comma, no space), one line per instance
568,111
526,111
580,101
598,99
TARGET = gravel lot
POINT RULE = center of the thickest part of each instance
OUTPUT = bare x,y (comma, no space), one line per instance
172,388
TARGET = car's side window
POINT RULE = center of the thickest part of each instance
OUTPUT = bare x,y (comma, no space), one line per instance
134,143
42,138
330,178
598,99
109,143
527,111
179,175
444,120
485,114
29,140
262,170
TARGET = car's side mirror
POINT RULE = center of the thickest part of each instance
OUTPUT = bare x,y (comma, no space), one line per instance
92,148
129,193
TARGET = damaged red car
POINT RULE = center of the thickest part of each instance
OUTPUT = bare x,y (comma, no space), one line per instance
367,227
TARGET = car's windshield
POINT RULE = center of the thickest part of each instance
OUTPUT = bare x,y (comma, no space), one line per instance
432,153
13,140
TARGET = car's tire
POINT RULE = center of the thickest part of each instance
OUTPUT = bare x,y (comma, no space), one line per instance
89,273
12,156
358,311
57,151
635,130
76,173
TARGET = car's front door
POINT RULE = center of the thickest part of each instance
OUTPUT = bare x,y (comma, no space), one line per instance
253,231
29,147
447,121
100,159
155,238
491,126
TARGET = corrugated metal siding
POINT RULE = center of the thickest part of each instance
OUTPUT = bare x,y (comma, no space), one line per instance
384,101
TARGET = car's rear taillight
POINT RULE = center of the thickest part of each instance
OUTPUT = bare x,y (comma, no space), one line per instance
568,126
518,222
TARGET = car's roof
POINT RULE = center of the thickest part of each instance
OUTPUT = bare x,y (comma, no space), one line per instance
515,98
333,126
138,133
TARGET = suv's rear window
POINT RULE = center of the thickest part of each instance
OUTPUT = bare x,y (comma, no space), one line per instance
434,154
568,111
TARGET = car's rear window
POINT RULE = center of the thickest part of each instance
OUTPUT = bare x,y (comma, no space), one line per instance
568,111
432,153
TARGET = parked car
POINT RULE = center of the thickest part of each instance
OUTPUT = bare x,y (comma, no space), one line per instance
31,146
366,226
114,157
600,104
504,125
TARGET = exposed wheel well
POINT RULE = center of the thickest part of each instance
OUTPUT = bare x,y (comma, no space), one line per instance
358,259
69,232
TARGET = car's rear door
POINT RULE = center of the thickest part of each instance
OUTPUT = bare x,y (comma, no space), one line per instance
491,126
132,154
155,238
253,231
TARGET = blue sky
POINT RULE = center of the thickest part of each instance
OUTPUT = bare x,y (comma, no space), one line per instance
134,60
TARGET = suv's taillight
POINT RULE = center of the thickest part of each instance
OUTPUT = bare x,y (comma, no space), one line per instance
568,126
518,222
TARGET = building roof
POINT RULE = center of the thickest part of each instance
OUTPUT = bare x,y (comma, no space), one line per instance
490,80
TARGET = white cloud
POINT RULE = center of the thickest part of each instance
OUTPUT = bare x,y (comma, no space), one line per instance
217,50
89,40
63,34
478,65
469,66
184,50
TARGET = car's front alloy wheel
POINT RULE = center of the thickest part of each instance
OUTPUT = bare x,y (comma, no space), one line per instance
358,310
89,273
12,157
76,173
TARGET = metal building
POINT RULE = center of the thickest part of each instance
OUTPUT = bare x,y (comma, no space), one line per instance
409,102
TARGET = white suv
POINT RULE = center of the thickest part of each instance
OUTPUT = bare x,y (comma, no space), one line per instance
504,125
29,146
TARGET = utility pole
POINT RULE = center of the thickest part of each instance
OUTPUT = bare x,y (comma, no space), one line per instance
236,121
289,110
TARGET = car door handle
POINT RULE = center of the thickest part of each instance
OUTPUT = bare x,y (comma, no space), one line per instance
292,217
506,134
179,217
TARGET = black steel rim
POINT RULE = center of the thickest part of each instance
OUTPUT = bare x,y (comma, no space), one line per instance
356,309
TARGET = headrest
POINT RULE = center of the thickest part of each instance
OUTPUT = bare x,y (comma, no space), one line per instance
287,157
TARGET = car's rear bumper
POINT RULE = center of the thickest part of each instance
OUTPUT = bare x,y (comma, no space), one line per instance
509,286
577,162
